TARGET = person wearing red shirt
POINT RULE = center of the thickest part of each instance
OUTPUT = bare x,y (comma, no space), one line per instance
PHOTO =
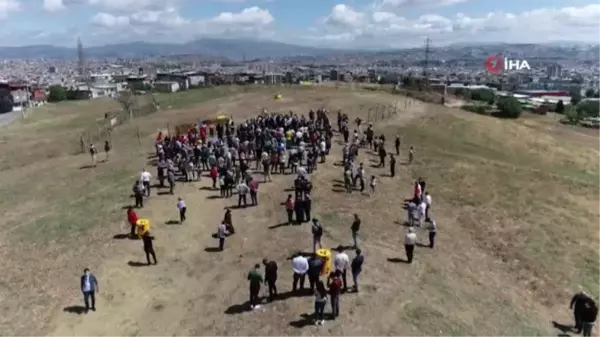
132,218
214,174
335,288
289,207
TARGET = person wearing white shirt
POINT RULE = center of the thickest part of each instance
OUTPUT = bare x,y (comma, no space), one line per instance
341,263
428,203
145,178
432,232
422,209
300,267
221,234
323,148
410,239
182,209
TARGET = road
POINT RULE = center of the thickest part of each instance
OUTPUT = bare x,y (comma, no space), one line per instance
9,117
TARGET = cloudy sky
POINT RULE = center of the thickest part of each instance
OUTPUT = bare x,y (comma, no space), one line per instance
332,23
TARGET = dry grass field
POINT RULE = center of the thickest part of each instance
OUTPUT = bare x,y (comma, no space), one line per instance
516,204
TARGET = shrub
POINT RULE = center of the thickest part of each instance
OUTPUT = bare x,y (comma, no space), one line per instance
509,107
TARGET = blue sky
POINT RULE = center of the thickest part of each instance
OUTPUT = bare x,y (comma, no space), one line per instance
335,23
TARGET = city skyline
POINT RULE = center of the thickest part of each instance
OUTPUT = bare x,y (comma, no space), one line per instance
362,24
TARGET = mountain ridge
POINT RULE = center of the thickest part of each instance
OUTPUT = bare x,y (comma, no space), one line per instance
237,49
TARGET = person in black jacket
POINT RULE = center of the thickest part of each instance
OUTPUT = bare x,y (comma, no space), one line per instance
271,277
149,247
589,317
578,305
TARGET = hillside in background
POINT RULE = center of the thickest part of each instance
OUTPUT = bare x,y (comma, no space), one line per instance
236,49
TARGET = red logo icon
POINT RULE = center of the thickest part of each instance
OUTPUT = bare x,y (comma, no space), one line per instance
494,64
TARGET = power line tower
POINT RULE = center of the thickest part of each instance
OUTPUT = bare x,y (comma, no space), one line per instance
427,52
80,58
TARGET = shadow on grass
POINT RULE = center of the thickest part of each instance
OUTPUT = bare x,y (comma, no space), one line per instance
212,249
122,236
136,264
163,193
212,197
304,321
85,167
172,222
339,190
75,309
279,225
238,308
397,260
564,329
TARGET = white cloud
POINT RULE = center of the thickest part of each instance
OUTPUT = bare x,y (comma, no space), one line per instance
248,16
168,25
8,6
109,20
131,5
407,3
377,27
53,5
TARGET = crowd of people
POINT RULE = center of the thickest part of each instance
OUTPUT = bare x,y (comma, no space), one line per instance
269,144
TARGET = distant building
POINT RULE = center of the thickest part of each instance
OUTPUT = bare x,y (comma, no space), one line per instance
554,71
166,86
334,75
273,78
52,70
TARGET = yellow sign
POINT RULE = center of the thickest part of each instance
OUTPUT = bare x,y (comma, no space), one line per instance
325,255
143,226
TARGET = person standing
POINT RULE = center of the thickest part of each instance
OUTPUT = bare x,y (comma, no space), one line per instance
410,239
335,289
132,218
89,287
242,191
221,234
392,166
354,229
289,208
356,267
106,149
427,204
228,221
171,180
578,305
341,263
256,281
411,155
397,145
372,185
271,277
149,247
589,317
93,154
300,267
182,209
138,193
307,203
432,232
317,232
145,178
320,302
253,185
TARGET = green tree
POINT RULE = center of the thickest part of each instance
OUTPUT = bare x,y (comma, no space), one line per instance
560,107
575,97
509,107
590,93
571,114
57,93
588,108
483,95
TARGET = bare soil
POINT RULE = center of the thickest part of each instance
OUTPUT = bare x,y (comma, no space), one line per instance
516,204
